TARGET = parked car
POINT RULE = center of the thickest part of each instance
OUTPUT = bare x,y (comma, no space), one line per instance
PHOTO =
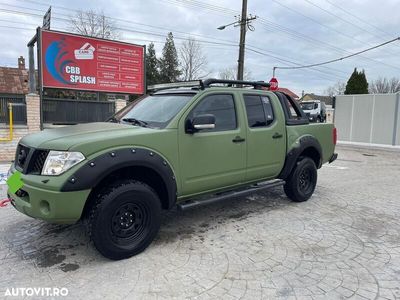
176,147
315,110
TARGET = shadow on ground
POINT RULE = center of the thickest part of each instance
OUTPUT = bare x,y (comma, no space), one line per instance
68,247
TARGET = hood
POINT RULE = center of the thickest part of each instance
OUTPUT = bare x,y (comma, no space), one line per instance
63,138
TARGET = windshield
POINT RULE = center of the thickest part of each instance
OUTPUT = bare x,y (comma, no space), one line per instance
307,105
154,111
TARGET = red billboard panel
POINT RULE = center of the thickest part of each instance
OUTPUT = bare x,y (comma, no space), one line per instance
77,62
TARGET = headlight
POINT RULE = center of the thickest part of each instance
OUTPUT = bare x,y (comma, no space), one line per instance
57,162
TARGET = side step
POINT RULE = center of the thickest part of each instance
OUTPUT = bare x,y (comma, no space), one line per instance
230,194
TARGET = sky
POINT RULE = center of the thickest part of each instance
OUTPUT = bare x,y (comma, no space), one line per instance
287,33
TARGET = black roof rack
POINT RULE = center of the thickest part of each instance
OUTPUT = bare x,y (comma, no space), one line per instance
203,84
179,84
240,83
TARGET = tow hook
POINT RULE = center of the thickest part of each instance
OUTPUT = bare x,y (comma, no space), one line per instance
4,202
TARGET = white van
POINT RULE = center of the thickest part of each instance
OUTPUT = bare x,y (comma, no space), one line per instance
315,110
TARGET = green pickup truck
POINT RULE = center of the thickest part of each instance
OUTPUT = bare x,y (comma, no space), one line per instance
183,145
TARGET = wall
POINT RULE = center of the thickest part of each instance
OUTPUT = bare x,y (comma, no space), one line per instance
7,148
119,104
371,119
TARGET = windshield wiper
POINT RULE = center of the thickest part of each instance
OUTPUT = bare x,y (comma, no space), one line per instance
135,121
112,120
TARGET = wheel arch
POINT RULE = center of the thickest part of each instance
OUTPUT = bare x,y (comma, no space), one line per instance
137,163
306,146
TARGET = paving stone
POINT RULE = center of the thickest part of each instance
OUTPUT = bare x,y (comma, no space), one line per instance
343,242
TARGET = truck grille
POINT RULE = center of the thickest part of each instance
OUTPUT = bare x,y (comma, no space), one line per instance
21,156
37,161
30,160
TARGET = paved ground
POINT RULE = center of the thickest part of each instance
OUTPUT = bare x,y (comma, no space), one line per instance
3,172
344,242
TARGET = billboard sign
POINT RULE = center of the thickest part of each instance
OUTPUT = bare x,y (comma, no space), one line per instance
70,61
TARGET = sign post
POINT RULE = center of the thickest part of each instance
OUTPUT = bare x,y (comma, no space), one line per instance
46,19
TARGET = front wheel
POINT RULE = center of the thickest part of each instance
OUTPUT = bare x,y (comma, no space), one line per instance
301,183
125,219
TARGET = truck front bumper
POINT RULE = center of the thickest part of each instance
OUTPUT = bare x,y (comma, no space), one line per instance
51,206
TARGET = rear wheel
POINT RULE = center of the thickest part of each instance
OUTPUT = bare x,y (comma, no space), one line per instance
301,183
125,219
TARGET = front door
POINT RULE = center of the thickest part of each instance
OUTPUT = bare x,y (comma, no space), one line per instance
213,158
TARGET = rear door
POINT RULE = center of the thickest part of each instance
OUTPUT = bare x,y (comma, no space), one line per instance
266,136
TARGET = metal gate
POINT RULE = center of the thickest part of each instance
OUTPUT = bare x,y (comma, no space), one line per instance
19,109
73,111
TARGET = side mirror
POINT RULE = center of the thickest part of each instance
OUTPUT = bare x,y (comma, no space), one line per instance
206,121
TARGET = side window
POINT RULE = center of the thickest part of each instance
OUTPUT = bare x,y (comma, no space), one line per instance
222,107
259,110
294,113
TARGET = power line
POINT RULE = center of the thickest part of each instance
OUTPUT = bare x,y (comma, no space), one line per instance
341,58
159,34
330,28
249,49
319,23
147,32
202,5
265,22
359,19
122,20
120,28
327,75
339,17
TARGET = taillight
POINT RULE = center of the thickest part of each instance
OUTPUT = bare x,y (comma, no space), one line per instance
334,135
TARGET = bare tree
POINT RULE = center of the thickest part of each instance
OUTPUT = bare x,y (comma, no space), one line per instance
337,89
93,24
231,74
192,60
384,85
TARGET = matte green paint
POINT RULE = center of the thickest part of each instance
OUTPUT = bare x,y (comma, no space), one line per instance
202,162
51,206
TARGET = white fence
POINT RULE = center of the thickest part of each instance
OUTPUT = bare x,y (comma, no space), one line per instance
371,119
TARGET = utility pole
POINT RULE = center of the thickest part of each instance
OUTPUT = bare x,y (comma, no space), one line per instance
242,43
245,23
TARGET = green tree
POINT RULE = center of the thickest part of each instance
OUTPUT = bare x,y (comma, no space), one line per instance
357,83
152,73
169,64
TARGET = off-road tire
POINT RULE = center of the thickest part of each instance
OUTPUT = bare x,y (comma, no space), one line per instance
136,207
301,183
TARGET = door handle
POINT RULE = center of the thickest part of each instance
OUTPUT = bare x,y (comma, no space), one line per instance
277,135
238,139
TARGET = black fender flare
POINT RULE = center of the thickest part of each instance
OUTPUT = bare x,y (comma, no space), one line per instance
97,169
293,155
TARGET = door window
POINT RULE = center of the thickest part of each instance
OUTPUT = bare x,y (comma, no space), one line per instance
222,106
259,110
